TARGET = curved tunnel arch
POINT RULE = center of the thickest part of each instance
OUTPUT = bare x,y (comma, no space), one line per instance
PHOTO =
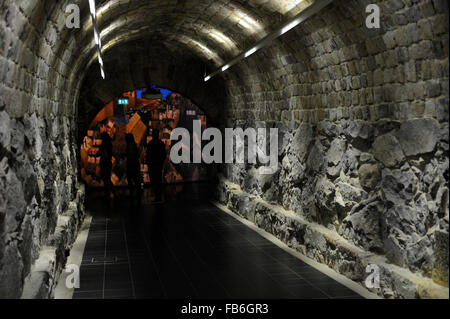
142,64
331,69
80,63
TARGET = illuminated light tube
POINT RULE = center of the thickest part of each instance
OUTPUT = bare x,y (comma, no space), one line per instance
97,39
290,26
207,78
301,17
250,52
92,8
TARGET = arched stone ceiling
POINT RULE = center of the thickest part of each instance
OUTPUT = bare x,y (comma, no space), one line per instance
148,61
220,29
211,32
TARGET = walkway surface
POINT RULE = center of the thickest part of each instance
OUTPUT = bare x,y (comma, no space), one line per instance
188,248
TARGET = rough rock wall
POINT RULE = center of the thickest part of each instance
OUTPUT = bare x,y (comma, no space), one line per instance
38,180
363,122
329,68
41,203
359,180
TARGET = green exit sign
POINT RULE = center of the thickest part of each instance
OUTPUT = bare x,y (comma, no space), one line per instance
123,102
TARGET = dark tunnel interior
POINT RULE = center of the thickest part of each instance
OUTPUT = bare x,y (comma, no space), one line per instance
343,103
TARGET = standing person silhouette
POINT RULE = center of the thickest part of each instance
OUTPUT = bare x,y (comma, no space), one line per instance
133,168
106,153
156,155
106,165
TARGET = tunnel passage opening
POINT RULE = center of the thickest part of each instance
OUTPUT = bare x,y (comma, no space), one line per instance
142,62
140,112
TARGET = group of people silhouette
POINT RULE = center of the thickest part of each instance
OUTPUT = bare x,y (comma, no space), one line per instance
155,157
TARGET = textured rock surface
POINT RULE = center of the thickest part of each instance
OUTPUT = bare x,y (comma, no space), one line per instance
39,185
38,159
327,246
418,136
392,205
369,175
387,150
342,95
372,159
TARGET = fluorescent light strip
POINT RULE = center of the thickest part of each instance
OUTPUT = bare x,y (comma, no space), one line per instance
250,52
302,16
290,26
92,8
100,60
97,38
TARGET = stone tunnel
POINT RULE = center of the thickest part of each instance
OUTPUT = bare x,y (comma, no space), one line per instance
361,112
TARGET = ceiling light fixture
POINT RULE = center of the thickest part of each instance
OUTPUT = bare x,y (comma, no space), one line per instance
100,60
302,16
92,8
97,38
250,52
290,26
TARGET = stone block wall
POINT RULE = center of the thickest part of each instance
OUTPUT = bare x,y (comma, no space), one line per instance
39,188
38,168
363,131
342,176
43,65
363,115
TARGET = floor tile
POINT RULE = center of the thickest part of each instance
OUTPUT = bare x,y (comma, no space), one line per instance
188,248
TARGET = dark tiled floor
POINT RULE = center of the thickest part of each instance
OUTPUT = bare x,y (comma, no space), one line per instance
188,248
